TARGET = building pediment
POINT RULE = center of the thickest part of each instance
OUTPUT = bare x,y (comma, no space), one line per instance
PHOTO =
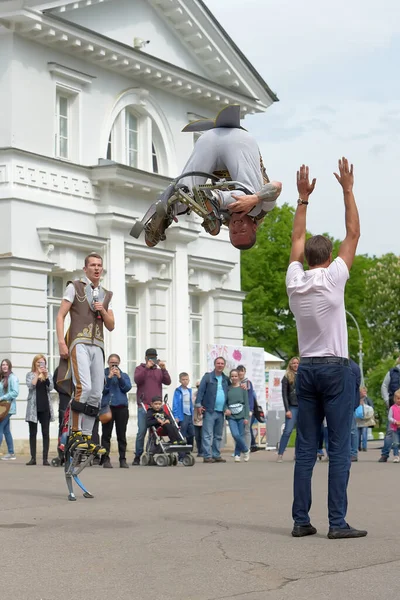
189,53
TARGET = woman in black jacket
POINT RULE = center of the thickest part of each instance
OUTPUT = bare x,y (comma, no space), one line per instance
290,403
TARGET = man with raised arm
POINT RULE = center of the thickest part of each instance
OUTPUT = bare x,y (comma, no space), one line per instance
325,382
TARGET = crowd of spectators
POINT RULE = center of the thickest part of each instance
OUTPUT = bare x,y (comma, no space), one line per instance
200,412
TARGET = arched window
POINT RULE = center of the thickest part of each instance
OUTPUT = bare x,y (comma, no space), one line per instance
135,140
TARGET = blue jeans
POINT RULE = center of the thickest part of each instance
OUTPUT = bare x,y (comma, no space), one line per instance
237,430
395,442
354,438
387,443
213,426
5,430
363,437
253,439
141,434
187,430
289,426
323,389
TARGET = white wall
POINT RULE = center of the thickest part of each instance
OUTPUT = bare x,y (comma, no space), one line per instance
6,49
123,20
32,115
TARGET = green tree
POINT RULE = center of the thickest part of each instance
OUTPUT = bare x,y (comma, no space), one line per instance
268,321
356,300
374,379
382,308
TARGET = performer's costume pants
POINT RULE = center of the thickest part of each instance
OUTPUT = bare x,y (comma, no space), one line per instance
87,362
222,148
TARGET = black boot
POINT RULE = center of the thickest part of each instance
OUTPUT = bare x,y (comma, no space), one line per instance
123,464
107,463
136,461
31,462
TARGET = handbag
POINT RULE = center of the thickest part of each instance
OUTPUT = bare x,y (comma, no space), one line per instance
359,412
258,412
236,408
4,409
106,416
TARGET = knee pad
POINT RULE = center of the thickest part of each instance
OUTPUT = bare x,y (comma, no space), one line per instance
86,409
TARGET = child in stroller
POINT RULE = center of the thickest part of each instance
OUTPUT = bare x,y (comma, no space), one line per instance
161,423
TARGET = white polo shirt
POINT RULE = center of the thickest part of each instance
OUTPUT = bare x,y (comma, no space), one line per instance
316,298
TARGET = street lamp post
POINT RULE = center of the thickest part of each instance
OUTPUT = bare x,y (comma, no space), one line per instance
360,347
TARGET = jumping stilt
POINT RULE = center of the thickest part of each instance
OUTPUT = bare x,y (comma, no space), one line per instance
77,459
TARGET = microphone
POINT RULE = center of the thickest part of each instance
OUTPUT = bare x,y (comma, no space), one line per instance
95,299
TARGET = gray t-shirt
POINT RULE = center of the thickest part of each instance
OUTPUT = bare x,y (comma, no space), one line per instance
186,401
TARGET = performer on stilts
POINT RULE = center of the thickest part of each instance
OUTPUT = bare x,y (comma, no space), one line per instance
225,151
82,362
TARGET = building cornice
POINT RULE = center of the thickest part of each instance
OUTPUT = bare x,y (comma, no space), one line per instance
220,267
203,36
154,255
60,237
16,263
72,74
70,38
224,294
125,177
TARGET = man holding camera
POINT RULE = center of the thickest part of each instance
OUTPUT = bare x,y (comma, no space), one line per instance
149,377
115,400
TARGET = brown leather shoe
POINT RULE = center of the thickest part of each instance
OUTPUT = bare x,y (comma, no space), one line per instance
208,460
219,459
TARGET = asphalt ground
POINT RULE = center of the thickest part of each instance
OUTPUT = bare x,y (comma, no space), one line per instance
208,532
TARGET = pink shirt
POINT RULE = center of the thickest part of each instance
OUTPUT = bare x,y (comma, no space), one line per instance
394,415
316,298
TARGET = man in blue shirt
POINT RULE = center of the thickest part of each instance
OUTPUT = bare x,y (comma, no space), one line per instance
211,398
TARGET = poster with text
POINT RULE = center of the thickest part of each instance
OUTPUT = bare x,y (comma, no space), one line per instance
251,358
275,401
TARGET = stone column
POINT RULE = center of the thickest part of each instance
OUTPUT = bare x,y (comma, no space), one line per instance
23,320
181,352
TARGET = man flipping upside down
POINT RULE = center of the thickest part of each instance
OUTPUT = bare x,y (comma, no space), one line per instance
229,151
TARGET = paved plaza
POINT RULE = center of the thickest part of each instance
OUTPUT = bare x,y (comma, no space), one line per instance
211,532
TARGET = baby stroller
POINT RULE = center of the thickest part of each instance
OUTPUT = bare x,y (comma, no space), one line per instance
62,440
163,453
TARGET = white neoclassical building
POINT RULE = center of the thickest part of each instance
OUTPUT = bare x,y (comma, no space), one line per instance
93,97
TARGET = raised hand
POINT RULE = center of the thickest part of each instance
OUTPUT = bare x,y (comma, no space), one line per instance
345,177
304,187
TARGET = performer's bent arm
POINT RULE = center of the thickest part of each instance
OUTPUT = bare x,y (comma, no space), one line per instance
106,315
62,313
267,197
305,189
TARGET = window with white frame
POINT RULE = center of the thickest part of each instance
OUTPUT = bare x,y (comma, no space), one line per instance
195,335
63,124
66,124
55,292
131,316
131,144
135,140
154,157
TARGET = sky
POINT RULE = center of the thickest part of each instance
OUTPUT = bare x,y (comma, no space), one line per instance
335,69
